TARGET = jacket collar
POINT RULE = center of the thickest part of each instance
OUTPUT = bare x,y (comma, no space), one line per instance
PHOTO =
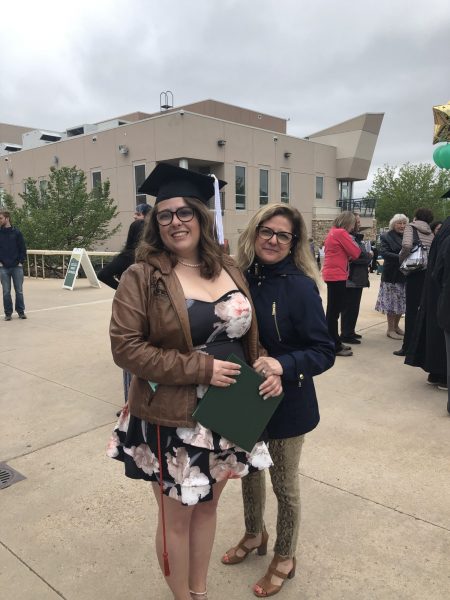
261,270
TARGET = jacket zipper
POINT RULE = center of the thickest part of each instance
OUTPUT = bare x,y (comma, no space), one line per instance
274,315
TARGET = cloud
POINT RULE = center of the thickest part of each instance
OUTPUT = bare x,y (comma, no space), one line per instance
314,63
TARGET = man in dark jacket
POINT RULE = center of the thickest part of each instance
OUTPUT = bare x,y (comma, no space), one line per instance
13,253
358,278
110,274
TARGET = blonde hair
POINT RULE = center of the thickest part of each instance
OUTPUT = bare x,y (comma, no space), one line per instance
396,218
300,248
346,220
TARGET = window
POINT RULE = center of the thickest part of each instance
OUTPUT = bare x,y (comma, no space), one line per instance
263,187
319,188
345,190
139,178
43,183
240,188
96,178
285,187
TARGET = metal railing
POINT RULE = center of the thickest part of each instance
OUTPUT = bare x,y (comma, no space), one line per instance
364,206
39,262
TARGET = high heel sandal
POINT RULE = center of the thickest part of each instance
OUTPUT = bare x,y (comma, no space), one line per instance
234,559
265,584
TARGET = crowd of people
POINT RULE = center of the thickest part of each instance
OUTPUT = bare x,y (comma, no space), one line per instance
417,294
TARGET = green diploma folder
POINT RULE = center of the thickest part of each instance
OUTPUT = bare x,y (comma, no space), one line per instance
237,413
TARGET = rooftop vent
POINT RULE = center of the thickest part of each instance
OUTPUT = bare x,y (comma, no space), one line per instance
80,130
48,137
6,148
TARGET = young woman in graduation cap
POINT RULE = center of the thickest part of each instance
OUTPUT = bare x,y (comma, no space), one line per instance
282,275
177,314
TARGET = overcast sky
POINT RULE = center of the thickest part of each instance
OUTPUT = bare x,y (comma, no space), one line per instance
315,63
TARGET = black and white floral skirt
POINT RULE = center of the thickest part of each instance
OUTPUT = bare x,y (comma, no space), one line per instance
193,459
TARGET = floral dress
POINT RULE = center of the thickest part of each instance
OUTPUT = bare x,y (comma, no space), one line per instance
193,457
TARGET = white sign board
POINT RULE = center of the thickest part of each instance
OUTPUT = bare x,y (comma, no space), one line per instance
80,257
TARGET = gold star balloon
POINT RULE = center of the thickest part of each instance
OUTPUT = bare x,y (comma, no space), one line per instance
441,116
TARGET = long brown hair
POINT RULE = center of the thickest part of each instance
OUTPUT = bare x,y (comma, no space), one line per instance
300,250
210,253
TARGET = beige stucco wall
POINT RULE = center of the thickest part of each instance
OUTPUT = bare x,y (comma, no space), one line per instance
12,134
173,136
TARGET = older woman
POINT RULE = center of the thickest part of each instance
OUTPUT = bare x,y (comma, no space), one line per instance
340,248
173,325
391,295
282,275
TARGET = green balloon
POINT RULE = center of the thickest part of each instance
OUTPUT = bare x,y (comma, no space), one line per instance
437,156
444,156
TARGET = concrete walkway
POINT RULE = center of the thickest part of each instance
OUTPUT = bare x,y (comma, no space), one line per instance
375,474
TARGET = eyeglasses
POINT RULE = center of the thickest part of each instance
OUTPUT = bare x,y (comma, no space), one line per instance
283,237
184,214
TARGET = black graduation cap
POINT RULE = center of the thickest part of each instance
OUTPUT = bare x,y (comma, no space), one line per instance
168,181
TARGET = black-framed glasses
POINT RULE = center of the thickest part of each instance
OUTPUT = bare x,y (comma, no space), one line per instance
184,214
283,237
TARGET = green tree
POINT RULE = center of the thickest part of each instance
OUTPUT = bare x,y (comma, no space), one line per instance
63,214
402,190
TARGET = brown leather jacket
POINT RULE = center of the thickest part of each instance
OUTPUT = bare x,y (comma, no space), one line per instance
151,338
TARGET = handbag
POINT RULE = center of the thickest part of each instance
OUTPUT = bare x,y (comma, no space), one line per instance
417,260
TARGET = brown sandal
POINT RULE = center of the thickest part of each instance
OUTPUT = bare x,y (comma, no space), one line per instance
234,559
268,588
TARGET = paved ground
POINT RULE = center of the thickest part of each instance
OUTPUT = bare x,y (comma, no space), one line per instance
375,474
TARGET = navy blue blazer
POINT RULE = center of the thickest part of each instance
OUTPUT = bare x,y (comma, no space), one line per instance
293,330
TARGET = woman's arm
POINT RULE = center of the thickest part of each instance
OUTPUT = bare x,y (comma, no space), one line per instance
407,242
316,352
130,345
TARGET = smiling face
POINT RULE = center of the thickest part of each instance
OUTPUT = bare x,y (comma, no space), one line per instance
181,238
271,251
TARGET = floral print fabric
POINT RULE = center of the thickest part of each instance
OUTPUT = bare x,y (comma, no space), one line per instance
391,298
193,459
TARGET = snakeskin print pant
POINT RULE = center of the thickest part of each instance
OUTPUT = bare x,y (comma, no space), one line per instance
285,482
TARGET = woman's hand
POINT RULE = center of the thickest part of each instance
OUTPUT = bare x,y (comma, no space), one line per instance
267,365
271,387
223,373
272,370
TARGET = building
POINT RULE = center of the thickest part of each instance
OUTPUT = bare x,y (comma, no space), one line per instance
251,151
